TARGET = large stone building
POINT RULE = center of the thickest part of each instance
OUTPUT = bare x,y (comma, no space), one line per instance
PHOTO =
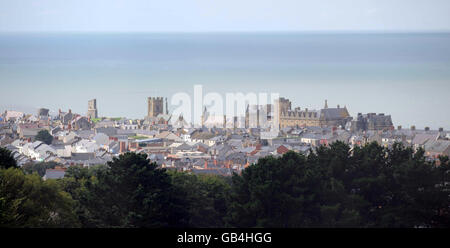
299,118
156,106
372,121
284,105
92,109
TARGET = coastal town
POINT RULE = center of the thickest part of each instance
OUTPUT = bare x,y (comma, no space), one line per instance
214,147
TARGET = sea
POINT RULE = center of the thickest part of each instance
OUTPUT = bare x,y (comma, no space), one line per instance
405,75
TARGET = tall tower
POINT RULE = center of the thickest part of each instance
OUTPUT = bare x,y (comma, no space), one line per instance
92,109
155,106
204,117
284,106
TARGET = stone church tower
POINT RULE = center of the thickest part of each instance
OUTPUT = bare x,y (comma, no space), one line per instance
92,109
155,106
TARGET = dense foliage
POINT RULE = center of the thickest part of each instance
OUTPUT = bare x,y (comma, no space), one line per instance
204,198
44,136
333,186
28,201
39,168
6,159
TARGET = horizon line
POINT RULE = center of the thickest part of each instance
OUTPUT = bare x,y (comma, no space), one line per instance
228,32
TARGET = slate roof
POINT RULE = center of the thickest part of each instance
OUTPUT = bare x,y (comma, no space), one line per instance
128,132
184,147
218,171
85,134
54,174
422,138
438,146
110,131
82,156
333,113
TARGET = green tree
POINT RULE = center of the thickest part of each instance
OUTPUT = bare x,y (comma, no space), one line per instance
335,186
6,159
44,136
77,181
39,168
133,192
204,197
276,193
28,201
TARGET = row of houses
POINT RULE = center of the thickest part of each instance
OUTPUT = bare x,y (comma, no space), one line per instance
77,140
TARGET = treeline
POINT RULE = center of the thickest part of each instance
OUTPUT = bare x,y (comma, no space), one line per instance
333,186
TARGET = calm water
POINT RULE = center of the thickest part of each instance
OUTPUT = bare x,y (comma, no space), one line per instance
405,75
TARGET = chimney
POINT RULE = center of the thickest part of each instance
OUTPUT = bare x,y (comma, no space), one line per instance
413,128
441,129
59,111
70,111
206,164
427,128
122,147
338,106
399,127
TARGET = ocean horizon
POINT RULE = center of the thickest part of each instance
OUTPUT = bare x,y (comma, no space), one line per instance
405,75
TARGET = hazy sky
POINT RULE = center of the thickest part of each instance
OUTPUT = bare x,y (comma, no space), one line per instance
224,15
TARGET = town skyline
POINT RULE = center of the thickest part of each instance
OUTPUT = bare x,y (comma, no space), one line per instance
217,144
168,109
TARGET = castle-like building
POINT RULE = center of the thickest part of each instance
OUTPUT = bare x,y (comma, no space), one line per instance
288,117
92,109
372,121
156,106
299,118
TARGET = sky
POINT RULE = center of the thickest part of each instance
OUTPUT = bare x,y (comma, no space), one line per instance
223,15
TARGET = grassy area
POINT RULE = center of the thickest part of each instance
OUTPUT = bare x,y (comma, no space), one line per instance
95,120
116,118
